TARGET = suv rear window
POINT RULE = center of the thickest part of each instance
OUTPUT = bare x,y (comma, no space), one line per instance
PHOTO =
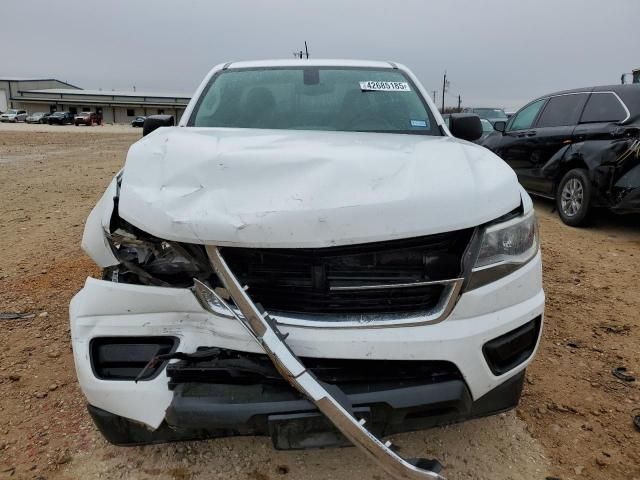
312,98
562,110
603,107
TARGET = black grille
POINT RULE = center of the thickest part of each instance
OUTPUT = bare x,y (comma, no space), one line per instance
307,280
123,358
511,349
239,368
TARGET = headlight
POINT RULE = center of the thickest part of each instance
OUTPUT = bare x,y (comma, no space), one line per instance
152,261
504,248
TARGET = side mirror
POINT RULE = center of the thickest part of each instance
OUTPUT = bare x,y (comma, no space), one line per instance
154,122
466,126
500,126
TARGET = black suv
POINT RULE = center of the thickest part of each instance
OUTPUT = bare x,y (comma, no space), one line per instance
580,147
60,118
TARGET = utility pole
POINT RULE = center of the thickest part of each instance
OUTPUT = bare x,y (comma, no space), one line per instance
300,54
459,102
434,96
444,88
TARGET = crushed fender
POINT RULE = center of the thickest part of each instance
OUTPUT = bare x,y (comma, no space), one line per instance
613,164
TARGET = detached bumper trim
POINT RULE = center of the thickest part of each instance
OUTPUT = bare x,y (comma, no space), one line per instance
329,400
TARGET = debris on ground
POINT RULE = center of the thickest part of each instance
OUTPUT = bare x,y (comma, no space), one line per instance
16,316
621,373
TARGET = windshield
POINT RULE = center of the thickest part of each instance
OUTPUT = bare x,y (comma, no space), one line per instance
333,99
490,113
12,111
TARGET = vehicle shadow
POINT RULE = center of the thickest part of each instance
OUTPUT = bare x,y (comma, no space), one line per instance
602,219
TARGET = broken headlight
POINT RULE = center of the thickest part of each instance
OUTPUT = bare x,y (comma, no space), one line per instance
504,248
148,260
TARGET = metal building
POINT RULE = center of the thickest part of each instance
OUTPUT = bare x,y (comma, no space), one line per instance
50,95
10,88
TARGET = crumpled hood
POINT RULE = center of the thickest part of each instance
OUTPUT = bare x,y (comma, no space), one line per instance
281,188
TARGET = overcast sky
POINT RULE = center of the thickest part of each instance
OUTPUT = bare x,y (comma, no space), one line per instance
496,52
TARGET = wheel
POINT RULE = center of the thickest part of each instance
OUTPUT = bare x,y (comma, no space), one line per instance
573,198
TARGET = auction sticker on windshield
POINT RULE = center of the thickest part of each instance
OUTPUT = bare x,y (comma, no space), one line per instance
385,86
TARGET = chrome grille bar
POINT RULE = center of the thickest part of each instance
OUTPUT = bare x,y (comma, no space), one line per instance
266,333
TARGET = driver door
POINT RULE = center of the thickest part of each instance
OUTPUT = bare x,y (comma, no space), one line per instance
518,142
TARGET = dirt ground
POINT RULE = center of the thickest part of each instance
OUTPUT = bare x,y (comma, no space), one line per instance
574,420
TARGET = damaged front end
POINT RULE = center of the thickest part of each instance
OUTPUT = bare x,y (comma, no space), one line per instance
613,163
626,189
184,347
146,260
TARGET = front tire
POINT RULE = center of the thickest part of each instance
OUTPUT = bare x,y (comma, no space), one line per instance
573,198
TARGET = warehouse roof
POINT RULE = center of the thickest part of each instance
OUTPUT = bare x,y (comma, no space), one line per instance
33,79
109,93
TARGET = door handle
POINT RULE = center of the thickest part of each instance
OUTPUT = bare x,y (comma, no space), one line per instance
531,133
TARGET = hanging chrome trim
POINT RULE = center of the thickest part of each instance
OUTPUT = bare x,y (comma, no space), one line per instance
335,407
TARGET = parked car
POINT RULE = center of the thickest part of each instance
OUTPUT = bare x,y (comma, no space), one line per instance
580,147
487,129
36,117
307,221
13,115
85,118
138,121
60,118
489,113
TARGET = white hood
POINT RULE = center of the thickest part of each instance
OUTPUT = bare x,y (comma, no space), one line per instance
281,188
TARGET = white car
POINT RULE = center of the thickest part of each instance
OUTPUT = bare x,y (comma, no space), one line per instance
309,238
13,115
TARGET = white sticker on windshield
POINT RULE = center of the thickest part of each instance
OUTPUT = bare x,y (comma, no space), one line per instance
373,85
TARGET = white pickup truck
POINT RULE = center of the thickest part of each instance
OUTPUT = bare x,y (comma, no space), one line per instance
310,254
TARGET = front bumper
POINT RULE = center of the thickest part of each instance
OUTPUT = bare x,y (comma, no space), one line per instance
107,309
295,423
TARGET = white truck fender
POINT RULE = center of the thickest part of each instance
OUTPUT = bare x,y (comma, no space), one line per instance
94,240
